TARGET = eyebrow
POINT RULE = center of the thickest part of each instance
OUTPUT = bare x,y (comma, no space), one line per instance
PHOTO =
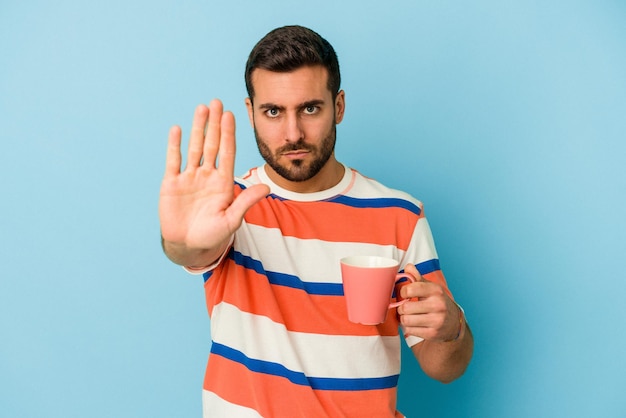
314,102
267,106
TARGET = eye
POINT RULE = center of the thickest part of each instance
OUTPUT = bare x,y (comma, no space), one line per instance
273,112
311,110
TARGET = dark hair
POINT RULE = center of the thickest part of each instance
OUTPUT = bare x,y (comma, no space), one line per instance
289,48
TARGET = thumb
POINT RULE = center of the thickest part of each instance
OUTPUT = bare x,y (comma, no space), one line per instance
246,199
412,270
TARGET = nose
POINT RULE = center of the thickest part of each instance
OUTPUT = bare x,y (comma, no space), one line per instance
293,128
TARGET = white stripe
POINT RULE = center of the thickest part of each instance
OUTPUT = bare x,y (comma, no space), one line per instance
316,355
422,244
365,188
311,260
215,407
411,340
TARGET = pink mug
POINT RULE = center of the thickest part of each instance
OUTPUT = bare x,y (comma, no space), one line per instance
368,283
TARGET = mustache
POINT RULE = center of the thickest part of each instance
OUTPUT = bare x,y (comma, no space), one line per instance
295,146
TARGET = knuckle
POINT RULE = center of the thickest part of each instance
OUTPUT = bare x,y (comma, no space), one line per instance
438,290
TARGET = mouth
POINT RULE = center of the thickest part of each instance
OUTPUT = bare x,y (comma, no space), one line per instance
296,154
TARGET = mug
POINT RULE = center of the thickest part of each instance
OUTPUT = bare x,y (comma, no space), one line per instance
368,283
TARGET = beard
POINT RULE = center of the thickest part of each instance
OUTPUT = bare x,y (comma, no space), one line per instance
299,170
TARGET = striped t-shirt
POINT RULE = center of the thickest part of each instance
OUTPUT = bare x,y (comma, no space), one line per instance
282,345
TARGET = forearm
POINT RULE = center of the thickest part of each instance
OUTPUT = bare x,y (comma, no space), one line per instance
446,361
192,257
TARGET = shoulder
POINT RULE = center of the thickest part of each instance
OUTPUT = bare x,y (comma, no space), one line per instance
368,188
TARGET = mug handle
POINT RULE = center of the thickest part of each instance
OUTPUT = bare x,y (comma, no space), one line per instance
398,277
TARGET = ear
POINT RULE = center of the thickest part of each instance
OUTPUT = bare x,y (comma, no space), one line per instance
340,106
250,111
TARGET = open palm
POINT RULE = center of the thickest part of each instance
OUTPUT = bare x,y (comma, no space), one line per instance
197,209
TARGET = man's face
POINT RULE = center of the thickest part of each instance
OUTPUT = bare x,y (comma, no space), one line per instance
294,119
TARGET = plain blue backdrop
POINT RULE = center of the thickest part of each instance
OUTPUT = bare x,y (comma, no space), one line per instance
506,118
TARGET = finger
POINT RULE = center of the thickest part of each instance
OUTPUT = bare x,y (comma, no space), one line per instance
196,138
408,293
212,137
416,324
421,290
425,333
247,199
412,307
434,324
227,144
173,157
416,320
412,270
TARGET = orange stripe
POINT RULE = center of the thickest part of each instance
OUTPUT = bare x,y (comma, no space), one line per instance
371,403
294,308
275,396
339,223
271,396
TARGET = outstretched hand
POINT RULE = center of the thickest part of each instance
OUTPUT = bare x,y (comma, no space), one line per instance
197,208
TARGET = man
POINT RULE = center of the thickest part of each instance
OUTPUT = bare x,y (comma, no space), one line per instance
269,244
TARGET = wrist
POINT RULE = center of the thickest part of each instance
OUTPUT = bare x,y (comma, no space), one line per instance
461,324
196,258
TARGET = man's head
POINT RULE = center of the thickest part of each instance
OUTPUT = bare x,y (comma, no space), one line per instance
294,106
291,47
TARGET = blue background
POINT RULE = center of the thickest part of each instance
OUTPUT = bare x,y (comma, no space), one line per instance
507,118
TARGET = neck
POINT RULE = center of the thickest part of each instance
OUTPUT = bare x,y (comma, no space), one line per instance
330,175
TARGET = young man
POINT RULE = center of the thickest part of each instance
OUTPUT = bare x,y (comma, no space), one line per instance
269,243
